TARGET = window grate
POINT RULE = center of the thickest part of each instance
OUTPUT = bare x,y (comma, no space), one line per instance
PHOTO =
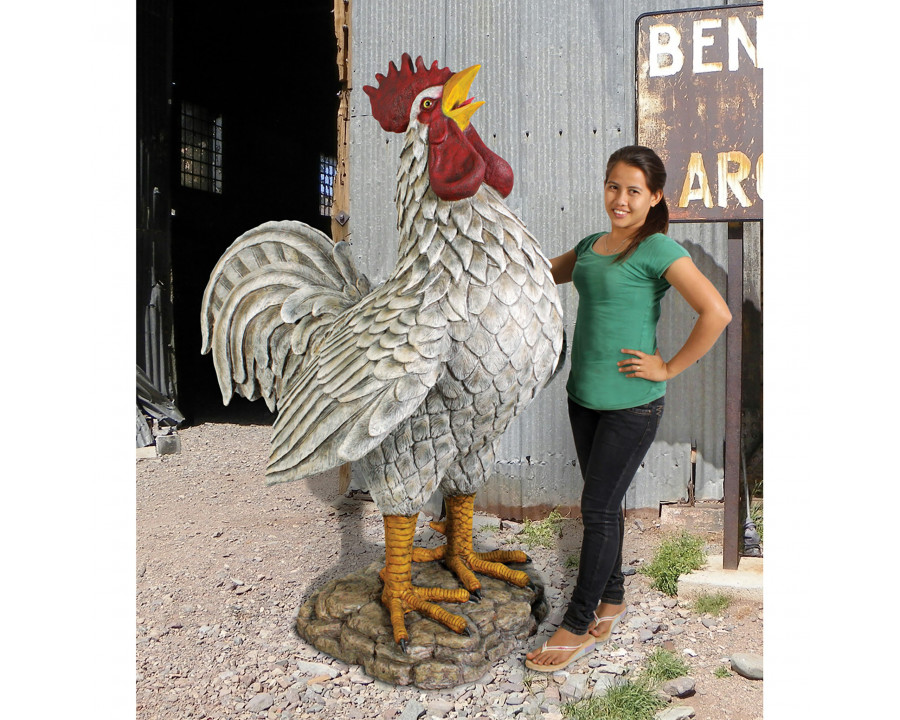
327,170
201,149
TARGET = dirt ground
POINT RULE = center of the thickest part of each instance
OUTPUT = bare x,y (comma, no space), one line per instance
224,562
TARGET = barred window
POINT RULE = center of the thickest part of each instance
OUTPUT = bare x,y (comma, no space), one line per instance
201,148
327,169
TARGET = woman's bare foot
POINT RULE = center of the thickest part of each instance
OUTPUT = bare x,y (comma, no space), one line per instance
608,614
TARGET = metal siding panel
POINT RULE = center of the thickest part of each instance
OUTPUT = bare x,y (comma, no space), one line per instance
558,83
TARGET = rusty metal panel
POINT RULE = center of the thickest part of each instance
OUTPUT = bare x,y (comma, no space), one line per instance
700,106
557,81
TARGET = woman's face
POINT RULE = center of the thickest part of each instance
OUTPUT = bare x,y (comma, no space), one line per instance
627,197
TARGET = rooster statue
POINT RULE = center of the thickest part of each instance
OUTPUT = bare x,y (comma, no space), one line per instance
416,379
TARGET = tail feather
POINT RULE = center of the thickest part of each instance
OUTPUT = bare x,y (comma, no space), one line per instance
275,281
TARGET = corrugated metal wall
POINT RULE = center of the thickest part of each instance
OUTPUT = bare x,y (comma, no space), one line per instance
154,305
558,81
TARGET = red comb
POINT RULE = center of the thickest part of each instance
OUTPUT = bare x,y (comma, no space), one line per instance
392,99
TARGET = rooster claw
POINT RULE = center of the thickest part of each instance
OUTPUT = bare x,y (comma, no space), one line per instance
403,645
475,596
531,586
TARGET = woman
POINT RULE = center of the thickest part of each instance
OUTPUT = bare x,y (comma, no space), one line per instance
618,379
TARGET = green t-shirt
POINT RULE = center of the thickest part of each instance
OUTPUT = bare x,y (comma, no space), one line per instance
618,307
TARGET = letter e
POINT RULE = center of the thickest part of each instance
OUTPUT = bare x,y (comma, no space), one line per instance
701,41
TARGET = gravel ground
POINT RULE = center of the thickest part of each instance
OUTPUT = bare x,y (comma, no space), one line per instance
224,562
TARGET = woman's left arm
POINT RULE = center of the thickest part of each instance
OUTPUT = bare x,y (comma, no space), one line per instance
714,316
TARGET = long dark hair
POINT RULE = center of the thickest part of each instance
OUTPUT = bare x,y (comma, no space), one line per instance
648,162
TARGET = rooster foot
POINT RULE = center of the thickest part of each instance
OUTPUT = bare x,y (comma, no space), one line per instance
459,556
400,596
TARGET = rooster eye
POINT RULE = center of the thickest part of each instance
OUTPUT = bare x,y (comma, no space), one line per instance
427,104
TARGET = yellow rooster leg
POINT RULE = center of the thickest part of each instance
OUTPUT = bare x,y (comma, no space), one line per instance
459,554
400,595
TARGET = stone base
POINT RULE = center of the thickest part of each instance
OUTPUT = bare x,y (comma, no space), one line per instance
345,619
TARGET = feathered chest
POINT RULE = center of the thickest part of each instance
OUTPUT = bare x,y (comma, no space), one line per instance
483,283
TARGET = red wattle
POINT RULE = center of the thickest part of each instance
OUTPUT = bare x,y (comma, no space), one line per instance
455,168
498,173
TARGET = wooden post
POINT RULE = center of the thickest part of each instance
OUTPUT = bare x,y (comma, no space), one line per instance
340,206
731,532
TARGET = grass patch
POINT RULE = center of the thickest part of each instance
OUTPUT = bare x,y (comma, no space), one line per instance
756,515
625,700
573,561
712,604
543,532
677,555
663,665
722,672
634,698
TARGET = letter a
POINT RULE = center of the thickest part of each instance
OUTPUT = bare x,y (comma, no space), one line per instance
688,192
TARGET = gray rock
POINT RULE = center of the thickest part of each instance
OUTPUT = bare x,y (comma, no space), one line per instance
679,687
515,698
678,712
413,711
263,701
516,676
439,708
748,665
601,683
613,669
311,668
573,687
709,622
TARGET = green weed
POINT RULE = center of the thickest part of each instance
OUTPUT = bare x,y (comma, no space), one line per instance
722,672
573,561
543,532
677,555
712,604
625,700
663,665
756,515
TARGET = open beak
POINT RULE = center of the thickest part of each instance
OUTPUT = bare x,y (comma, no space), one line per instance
456,103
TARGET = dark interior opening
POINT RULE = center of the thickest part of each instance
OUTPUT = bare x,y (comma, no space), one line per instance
266,73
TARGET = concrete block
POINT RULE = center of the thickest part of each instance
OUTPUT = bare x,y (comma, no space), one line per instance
693,519
168,444
746,582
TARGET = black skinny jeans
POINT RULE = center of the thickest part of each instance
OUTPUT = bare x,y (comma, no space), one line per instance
611,444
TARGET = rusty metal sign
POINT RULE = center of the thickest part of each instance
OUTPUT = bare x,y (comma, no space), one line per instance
699,105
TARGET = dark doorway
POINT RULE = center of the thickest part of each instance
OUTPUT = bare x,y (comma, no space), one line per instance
254,113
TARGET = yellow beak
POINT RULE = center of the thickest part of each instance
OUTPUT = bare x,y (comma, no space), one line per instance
456,95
